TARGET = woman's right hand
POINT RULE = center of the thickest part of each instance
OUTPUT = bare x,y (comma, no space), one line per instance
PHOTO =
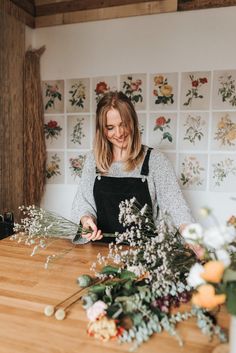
88,224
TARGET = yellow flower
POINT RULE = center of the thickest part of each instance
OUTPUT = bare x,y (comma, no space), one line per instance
103,328
231,135
213,271
158,80
166,90
206,297
221,124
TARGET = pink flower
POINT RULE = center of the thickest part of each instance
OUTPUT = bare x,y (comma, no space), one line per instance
96,310
161,121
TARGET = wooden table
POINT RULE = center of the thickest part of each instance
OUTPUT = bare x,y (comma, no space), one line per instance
26,288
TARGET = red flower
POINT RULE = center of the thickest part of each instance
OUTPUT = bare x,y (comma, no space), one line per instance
52,124
101,87
203,80
195,83
161,121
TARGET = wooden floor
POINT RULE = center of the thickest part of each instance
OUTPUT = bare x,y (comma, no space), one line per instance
26,288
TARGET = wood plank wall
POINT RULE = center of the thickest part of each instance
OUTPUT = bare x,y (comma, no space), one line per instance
12,50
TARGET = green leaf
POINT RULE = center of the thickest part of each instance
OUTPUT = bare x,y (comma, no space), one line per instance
229,276
127,275
231,296
97,288
110,270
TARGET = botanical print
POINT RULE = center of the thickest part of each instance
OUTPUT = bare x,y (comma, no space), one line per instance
76,165
224,89
53,96
52,130
142,119
162,131
78,95
54,167
224,131
163,90
193,130
134,86
195,90
78,131
192,171
100,86
223,173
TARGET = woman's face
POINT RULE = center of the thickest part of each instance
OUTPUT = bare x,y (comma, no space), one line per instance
115,131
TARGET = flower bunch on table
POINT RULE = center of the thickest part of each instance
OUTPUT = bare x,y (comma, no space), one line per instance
143,283
215,278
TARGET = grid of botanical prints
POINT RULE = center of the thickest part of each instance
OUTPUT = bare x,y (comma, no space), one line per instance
190,116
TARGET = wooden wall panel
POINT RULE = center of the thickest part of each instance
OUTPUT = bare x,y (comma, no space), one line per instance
12,39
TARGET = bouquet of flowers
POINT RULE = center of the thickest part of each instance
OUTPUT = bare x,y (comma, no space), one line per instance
215,279
142,284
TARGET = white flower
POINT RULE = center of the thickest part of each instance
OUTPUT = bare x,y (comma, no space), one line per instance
217,237
97,309
49,310
205,211
194,278
223,255
192,233
60,314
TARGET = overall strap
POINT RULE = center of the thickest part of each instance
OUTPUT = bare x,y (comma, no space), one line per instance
145,166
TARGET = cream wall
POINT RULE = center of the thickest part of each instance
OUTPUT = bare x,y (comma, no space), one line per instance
173,42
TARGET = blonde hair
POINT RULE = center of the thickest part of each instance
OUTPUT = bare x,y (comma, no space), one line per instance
102,147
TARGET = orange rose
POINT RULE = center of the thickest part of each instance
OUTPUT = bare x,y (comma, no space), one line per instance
213,271
206,297
158,80
166,90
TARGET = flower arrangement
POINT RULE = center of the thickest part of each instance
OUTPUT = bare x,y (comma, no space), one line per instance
193,93
133,90
163,91
52,130
77,93
142,284
52,92
162,124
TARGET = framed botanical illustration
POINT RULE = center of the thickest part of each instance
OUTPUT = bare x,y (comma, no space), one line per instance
224,90
100,86
223,131
78,131
53,96
162,130
195,90
193,130
192,171
164,91
223,172
54,131
135,87
55,166
75,162
78,95
142,118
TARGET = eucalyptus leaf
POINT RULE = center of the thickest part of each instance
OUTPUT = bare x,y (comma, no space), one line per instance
125,274
98,288
231,297
229,275
110,270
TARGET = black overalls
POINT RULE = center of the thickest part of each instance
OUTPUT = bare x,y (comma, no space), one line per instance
110,191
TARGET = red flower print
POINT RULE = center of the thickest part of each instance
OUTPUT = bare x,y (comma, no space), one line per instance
52,124
203,80
195,83
101,87
161,121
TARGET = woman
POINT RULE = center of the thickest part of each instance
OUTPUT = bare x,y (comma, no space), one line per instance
119,168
